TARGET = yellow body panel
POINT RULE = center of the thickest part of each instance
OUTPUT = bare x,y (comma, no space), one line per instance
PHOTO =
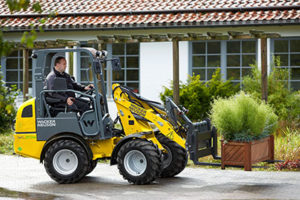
26,124
27,145
25,142
103,148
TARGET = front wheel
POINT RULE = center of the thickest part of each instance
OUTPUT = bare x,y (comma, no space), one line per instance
174,159
139,162
66,161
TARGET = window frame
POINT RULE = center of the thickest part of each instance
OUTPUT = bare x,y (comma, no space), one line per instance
289,67
240,54
223,58
205,54
108,73
19,70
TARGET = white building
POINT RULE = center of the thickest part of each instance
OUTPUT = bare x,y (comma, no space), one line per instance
148,66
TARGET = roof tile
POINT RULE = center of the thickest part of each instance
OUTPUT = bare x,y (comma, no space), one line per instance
78,13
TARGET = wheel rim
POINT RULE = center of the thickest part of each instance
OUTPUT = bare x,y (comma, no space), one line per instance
167,157
135,163
65,162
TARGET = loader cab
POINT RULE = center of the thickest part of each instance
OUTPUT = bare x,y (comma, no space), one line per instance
95,123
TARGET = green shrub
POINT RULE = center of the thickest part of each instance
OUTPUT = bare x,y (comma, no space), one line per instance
197,95
243,118
285,102
7,108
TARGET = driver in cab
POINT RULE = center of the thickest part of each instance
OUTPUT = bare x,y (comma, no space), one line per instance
69,98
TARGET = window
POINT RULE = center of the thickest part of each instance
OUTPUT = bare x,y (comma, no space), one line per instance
86,76
206,58
233,57
129,59
287,51
14,69
27,111
240,55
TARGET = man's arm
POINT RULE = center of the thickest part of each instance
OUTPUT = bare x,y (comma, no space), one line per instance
80,87
77,86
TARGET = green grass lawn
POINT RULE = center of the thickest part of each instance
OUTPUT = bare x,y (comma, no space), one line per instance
6,143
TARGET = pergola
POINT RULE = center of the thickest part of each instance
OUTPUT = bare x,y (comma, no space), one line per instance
176,37
168,37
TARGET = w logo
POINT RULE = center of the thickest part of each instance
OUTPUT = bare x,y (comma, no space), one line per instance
88,123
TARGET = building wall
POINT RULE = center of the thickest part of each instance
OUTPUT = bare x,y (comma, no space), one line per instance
156,67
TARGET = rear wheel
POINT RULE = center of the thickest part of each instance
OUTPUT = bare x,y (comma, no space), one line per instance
174,160
66,161
139,161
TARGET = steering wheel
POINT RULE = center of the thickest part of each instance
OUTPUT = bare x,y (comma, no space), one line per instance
91,91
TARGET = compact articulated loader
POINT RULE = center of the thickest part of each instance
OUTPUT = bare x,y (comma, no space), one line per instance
153,141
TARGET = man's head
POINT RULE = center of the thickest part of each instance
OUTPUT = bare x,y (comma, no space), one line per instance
60,64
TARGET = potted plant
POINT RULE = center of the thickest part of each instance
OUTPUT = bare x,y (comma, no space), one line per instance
246,125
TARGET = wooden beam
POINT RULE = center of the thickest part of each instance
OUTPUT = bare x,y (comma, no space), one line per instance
257,34
160,37
142,38
175,72
40,45
72,43
239,35
106,38
92,41
273,35
217,36
197,36
25,74
51,42
123,38
264,69
178,36
62,43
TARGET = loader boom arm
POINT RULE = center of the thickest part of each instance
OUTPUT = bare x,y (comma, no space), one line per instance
143,114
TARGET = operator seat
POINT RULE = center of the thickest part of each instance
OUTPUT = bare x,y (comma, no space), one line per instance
55,105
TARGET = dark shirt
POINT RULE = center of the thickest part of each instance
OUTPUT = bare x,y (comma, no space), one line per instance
71,84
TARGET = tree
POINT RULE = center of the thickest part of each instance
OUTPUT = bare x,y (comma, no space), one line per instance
8,95
28,37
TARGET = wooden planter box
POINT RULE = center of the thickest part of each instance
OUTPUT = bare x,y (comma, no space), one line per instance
247,153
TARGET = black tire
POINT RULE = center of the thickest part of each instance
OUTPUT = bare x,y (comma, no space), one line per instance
174,161
92,166
151,161
70,151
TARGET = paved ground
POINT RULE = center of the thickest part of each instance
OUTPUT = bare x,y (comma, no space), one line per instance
25,178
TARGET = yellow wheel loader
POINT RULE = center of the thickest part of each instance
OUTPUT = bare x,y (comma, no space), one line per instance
152,142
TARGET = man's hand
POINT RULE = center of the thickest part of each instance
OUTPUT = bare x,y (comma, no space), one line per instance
89,87
70,101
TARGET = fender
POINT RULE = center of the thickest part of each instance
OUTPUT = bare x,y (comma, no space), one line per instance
70,136
114,154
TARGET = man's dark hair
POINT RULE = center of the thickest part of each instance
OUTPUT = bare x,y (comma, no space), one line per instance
58,59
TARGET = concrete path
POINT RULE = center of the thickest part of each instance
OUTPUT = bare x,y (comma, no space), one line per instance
26,178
